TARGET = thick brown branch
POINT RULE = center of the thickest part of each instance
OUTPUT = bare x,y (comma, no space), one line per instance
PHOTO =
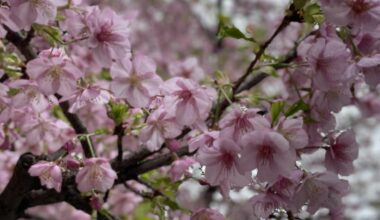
21,43
119,131
132,172
20,184
78,127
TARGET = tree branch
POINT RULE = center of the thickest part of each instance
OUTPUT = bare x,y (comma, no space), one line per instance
119,131
20,184
21,44
78,127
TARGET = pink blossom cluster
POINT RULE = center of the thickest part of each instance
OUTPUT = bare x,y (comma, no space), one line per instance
130,98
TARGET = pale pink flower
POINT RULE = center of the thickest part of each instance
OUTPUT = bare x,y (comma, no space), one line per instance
292,130
269,152
188,100
329,59
369,105
122,202
188,68
25,12
91,95
207,214
370,67
265,204
96,174
320,190
286,186
28,93
6,20
75,22
159,126
239,121
5,109
54,72
8,160
108,36
83,58
331,100
135,81
95,117
43,130
205,140
358,13
180,167
49,174
342,152
222,164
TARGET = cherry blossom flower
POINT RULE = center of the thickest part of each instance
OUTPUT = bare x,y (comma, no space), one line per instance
160,125
135,81
320,190
54,72
96,174
370,67
42,129
180,167
269,152
189,68
342,152
240,121
264,204
222,164
205,140
329,60
209,214
5,19
25,12
188,100
292,130
28,94
5,109
108,36
122,202
91,95
286,186
369,105
49,174
359,13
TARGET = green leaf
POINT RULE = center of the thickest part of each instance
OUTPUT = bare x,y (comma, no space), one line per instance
308,120
270,70
277,108
101,131
13,91
313,14
298,106
50,33
105,74
58,113
299,4
119,112
141,211
229,30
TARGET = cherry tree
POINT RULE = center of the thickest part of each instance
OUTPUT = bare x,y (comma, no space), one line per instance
120,110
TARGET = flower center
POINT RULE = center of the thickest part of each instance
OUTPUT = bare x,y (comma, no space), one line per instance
104,35
243,124
359,6
185,95
55,71
134,80
227,159
265,153
96,174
